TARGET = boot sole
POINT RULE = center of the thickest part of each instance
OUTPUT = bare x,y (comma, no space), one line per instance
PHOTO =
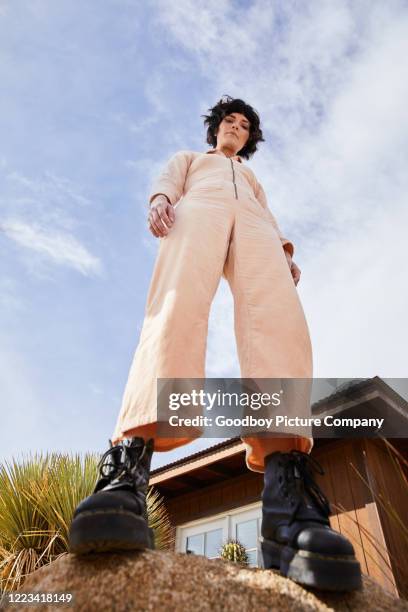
108,531
331,573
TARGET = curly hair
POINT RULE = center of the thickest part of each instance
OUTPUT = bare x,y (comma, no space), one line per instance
225,106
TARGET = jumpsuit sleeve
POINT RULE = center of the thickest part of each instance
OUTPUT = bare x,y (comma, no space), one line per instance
172,178
261,197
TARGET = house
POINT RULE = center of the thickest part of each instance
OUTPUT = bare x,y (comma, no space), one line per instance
211,495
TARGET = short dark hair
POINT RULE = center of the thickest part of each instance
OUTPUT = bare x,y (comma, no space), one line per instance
225,106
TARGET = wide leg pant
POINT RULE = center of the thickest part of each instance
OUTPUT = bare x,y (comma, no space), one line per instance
214,235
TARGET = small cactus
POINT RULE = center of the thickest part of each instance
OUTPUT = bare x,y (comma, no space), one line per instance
233,550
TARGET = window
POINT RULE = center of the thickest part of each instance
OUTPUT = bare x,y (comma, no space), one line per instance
246,527
247,534
207,543
195,544
206,536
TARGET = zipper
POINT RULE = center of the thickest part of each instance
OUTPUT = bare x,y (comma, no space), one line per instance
233,179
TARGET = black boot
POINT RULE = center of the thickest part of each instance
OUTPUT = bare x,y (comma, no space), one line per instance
297,537
115,517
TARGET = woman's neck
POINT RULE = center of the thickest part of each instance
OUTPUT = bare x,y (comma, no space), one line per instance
225,152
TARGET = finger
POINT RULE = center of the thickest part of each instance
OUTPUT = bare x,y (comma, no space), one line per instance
164,211
158,223
156,229
294,273
171,213
295,269
152,230
165,225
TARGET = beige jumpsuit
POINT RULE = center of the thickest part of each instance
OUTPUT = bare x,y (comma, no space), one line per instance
223,227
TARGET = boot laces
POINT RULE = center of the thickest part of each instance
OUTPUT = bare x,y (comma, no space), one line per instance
110,467
298,472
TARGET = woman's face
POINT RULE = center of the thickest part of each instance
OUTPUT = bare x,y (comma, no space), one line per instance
233,132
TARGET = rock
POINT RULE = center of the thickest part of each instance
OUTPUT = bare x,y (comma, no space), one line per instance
163,580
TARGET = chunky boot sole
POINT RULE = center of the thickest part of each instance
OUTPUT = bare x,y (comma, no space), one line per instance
108,531
332,573
271,554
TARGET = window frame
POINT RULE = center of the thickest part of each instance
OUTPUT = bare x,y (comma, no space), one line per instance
226,520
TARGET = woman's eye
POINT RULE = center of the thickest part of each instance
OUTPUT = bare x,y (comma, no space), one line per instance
229,120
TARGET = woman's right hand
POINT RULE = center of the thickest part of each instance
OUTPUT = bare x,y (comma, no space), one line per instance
161,214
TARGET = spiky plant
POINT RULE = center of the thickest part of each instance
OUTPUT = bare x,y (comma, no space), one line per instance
400,467
38,497
233,550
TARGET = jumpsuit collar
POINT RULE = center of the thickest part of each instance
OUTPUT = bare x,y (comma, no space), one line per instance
237,157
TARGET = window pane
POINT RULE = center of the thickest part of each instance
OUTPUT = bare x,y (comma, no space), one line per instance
195,544
252,558
247,533
213,541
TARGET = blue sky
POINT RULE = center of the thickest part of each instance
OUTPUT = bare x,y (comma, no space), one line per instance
96,96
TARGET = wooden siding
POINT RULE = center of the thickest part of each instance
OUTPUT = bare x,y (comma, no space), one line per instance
354,509
390,488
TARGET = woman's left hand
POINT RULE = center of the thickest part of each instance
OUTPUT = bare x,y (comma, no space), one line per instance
295,271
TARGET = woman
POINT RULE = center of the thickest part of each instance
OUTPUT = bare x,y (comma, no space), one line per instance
212,217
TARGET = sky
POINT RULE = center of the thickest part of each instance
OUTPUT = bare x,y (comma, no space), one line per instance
96,96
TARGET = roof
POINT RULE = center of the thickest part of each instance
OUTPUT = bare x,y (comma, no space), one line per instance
232,443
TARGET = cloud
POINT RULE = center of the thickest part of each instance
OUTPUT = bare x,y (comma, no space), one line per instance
40,215
59,248
205,28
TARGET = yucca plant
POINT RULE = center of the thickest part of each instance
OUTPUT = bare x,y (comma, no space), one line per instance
233,550
38,497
